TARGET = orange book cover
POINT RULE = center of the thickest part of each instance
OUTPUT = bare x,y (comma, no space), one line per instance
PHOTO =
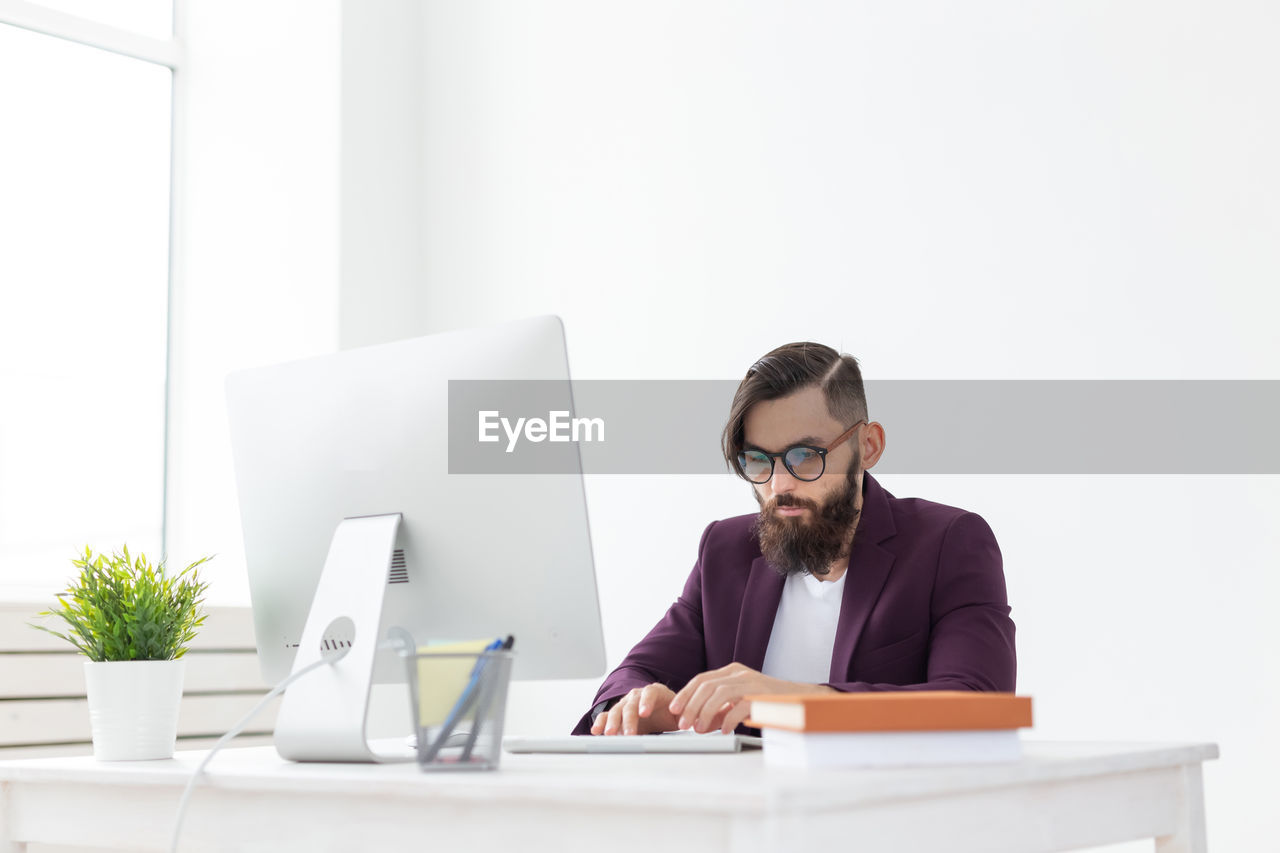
902,711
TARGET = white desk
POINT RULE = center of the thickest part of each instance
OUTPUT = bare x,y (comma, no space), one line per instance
1060,796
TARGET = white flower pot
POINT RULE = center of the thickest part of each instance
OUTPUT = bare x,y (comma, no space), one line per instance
133,706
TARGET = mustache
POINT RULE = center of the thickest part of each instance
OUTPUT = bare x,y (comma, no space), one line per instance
791,500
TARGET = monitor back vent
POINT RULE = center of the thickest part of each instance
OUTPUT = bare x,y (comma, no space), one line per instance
399,571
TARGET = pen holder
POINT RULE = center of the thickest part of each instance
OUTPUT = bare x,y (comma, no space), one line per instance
459,704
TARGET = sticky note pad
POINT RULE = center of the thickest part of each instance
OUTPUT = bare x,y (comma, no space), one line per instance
442,680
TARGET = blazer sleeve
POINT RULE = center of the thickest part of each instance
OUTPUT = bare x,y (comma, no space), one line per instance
672,653
971,637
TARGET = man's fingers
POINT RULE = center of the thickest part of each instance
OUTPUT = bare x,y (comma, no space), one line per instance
680,703
613,719
684,708
718,718
650,696
713,699
614,724
696,705
725,704
708,699
723,695
681,699
642,709
736,716
630,719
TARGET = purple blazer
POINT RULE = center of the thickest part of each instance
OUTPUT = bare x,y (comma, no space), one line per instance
924,607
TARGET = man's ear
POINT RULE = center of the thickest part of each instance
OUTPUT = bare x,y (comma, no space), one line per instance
872,444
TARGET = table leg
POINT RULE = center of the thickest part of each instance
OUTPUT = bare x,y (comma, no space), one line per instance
1190,836
7,845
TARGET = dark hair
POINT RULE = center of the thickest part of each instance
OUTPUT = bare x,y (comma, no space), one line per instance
786,370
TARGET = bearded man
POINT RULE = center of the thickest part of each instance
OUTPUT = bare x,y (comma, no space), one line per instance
835,585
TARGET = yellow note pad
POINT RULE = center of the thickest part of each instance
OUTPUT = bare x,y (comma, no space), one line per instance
441,682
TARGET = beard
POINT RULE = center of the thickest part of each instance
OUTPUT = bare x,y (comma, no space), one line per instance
798,544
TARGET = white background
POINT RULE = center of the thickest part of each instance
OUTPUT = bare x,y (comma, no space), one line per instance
945,190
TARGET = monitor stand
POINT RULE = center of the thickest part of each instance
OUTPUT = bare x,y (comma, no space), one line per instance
323,714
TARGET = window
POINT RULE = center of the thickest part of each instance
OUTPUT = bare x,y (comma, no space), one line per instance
84,280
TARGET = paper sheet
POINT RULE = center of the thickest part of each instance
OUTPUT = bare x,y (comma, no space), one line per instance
441,682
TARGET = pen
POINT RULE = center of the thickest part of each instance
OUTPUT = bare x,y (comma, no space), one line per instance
482,707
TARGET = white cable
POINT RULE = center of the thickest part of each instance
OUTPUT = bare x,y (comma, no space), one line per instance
222,741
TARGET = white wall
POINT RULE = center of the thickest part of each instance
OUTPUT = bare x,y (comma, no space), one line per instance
946,190
380,131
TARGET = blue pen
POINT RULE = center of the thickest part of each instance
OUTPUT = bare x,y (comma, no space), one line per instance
482,706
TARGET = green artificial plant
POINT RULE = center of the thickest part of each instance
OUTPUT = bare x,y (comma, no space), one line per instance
122,608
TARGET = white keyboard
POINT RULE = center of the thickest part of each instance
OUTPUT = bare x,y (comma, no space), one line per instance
668,742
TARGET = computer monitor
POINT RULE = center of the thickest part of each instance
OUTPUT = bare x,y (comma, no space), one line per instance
349,512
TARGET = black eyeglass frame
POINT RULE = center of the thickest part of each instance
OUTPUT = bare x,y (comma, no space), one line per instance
774,457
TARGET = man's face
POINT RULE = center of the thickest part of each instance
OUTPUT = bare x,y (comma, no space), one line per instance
804,526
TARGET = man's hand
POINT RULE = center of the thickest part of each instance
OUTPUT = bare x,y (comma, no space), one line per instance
714,699
641,712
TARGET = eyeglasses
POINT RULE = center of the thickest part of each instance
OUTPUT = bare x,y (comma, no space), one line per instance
804,461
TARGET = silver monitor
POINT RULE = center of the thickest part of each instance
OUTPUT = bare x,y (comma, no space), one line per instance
342,467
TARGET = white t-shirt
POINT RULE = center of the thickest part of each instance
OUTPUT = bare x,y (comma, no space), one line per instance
804,631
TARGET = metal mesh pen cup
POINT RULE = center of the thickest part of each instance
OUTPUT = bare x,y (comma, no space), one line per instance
459,703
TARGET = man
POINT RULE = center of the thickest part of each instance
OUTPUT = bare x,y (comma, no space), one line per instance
835,585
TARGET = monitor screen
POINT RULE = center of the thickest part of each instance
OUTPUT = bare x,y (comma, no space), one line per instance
365,432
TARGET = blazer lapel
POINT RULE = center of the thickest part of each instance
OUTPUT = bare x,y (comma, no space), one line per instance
759,608
869,567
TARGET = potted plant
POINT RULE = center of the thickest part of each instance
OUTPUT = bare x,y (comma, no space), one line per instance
133,621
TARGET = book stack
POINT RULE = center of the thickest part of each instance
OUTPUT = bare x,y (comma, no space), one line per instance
908,728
